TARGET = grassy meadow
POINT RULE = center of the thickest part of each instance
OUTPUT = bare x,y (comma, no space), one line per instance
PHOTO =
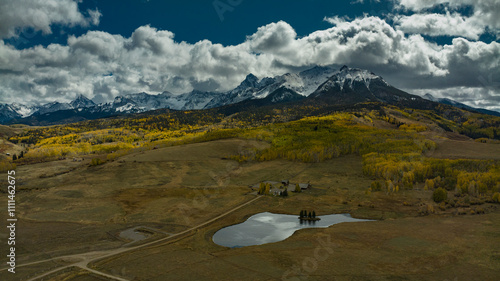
430,183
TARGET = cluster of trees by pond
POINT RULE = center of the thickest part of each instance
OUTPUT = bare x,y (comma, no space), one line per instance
304,215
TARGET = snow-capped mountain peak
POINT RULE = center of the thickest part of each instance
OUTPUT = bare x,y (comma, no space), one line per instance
251,81
82,102
347,77
351,75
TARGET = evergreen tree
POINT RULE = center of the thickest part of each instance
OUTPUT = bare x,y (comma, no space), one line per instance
310,215
285,193
14,157
21,155
314,214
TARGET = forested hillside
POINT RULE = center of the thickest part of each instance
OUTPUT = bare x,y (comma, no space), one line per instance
393,153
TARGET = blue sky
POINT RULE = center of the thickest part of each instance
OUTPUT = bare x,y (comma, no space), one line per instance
222,21
56,50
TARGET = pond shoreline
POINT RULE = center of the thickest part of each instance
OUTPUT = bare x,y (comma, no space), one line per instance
266,227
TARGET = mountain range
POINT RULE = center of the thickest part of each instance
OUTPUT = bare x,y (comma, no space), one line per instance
460,105
318,84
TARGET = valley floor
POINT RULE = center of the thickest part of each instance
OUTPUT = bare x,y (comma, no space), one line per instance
67,208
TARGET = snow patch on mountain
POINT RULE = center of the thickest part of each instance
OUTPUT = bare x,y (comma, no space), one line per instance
23,110
350,78
347,76
126,108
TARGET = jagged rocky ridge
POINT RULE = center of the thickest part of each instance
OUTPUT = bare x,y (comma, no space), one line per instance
321,83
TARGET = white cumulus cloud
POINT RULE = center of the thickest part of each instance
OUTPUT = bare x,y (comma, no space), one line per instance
102,65
484,17
16,15
440,25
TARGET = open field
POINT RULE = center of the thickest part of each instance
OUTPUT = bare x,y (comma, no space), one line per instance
68,208
459,149
170,195
430,248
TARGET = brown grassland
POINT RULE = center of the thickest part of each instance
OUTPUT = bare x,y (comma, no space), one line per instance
68,207
181,191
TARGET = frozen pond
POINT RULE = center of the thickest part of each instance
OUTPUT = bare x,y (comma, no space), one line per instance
267,227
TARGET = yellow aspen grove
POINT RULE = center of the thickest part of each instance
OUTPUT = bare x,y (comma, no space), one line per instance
267,189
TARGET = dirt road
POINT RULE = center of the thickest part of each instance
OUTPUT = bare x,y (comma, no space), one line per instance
83,260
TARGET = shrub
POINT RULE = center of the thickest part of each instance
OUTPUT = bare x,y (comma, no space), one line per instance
6,166
412,128
375,186
429,184
439,195
496,197
96,162
442,206
451,202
